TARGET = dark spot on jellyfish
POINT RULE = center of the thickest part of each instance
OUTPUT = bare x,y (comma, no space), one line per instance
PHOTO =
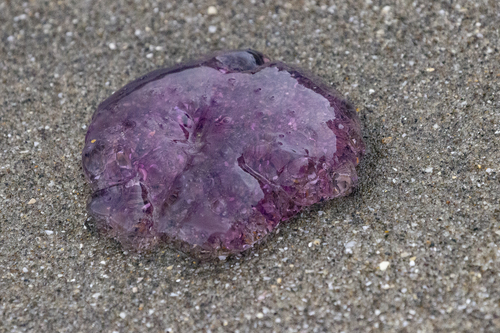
240,61
128,124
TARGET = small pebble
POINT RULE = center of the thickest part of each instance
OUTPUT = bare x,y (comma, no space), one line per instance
384,265
212,10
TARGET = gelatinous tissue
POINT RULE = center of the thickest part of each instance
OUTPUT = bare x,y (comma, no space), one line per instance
210,156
